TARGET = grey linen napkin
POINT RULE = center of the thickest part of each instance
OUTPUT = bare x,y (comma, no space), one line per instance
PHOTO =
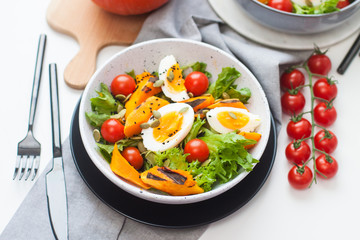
89,218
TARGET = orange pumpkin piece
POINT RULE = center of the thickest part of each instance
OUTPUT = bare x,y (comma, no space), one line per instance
173,182
142,114
233,102
144,90
251,135
121,167
200,102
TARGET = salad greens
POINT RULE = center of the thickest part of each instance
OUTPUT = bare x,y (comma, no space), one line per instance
325,7
227,158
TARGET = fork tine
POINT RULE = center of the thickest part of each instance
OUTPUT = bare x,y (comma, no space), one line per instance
30,166
23,166
17,166
37,164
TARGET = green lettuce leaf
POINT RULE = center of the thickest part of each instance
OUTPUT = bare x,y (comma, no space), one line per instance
198,67
242,94
194,131
225,80
96,120
325,7
105,102
173,158
107,149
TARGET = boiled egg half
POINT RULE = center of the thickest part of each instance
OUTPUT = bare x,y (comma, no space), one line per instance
175,123
174,84
228,119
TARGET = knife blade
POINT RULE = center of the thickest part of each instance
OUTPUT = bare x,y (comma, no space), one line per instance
55,178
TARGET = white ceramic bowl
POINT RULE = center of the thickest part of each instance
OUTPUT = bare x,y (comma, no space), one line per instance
147,55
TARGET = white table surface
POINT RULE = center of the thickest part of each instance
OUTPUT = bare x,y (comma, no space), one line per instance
329,210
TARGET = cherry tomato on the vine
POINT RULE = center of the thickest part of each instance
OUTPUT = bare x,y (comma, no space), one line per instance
319,63
133,156
298,153
343,3
283,5
325,141
112,130
122,84
197,149
324,114
328,166
325,89
300,177
197,83
292,103
292,79
299,129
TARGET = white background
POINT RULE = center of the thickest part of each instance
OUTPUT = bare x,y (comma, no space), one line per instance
329,210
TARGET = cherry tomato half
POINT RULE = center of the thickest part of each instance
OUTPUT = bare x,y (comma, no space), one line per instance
343,3
328,166
300,177
323,115
325,89
197,149
319,64
122,84
197,83
112,130
325,141
298,155
292,79
133,156
283,5
300,129
292,104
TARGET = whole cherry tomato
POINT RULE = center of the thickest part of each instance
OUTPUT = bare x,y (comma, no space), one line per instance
133,156
112,130
319,63
299,129
292,79
292,103
122,84
297,152
343,3
326,165
326,141
197,83
300,177
197,149
283,5
324,114
325,89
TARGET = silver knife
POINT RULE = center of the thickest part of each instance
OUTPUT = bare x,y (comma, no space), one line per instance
55,179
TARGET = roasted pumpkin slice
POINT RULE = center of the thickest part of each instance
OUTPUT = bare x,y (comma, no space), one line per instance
142,114
173,182
144,90
121,167
233,102
251,135
200,102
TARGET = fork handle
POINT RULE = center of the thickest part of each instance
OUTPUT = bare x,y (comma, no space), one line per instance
55,111
37,78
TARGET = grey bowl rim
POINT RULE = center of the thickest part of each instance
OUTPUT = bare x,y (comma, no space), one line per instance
352,5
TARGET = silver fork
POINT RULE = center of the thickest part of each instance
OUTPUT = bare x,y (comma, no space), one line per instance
29,148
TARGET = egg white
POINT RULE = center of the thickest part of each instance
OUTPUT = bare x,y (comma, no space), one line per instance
188,119
214,123
166,63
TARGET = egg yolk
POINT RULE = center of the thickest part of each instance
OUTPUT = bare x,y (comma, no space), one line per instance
170,124
174,81
233,120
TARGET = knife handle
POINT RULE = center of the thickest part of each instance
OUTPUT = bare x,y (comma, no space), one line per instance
55,113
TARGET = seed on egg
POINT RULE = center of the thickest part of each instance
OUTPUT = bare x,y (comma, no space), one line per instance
155,123
171,76
232,115
156,114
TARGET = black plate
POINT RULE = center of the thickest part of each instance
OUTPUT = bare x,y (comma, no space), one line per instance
169,215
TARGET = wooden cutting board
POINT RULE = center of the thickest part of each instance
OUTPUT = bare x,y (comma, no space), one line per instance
94,29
